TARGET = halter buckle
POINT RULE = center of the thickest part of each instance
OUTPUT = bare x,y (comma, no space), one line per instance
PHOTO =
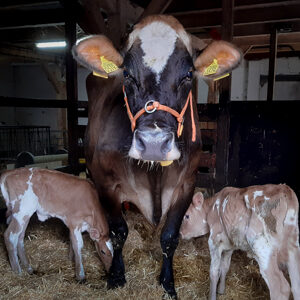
151,102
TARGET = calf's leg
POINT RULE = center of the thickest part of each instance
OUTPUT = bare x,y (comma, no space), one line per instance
215,268
273,276
225,264
11,237
294,271
77,244
21,250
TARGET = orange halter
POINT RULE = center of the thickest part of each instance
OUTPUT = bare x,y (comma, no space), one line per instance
151,106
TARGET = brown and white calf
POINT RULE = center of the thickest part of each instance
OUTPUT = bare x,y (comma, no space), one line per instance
261,220
53,194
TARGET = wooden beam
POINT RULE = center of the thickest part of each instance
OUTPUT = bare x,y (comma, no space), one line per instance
92,21
29,54
34,18
71,82
39,103
272,64
155,7
262,55
282,11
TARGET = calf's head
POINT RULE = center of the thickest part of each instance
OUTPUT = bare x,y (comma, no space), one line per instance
194,223
158,63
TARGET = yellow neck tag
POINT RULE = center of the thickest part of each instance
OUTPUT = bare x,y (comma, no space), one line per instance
165,163
212,68
108,66
223,76
100,75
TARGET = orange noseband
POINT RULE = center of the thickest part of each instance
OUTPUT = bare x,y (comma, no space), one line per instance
151,106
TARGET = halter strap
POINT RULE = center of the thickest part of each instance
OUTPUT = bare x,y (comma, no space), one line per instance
152,106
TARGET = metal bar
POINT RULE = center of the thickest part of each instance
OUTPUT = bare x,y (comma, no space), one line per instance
272,64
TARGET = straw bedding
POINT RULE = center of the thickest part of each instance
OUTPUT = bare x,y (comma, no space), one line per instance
47,245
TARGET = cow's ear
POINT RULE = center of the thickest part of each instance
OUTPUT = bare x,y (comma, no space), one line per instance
94,234
98,54
217,59
198,199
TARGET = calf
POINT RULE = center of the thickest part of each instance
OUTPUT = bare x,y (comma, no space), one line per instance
261,220
53,194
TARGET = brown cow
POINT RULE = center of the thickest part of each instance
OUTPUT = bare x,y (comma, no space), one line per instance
53,194
127,144
261,220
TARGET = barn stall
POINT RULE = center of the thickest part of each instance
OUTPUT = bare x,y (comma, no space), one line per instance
248,123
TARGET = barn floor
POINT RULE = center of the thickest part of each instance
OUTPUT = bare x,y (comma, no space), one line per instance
47,247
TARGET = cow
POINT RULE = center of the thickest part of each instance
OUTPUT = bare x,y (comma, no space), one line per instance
137,149
261,220
53,194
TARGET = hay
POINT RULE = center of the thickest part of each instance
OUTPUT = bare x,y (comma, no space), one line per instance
47,246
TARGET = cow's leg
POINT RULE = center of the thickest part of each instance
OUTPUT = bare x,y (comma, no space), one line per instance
225,264
21,249
11,237
215,268
268,264
77,244
118,234
169,240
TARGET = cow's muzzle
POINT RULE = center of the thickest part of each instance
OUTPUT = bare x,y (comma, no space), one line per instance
154,145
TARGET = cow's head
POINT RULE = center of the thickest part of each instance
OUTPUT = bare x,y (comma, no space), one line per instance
157,64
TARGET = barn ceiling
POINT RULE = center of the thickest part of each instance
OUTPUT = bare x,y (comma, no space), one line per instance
22,23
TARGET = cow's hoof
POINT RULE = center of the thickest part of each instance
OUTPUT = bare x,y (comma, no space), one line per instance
170,290
170,294
30,270
115,282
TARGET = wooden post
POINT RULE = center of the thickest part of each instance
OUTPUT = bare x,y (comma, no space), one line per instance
223,122
71,82
272,64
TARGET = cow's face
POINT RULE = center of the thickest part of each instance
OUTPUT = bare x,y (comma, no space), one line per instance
157,65
194,223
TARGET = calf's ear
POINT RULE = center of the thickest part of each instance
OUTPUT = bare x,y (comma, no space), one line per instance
198,199
217,59
94,234
98,54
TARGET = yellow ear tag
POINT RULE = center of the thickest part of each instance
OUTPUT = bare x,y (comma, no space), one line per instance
223,76
100,75
180,130
165,163
108,66
212,68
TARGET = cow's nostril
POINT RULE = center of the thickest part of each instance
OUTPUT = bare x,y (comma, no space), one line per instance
167,144
139,143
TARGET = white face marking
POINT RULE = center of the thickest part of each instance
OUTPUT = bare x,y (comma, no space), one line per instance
110,247
257,194
158,43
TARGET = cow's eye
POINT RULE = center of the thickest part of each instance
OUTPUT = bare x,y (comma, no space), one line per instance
189,75
126,74
187,216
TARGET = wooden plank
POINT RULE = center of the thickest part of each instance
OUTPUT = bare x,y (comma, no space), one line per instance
272,64
262,55
208,160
